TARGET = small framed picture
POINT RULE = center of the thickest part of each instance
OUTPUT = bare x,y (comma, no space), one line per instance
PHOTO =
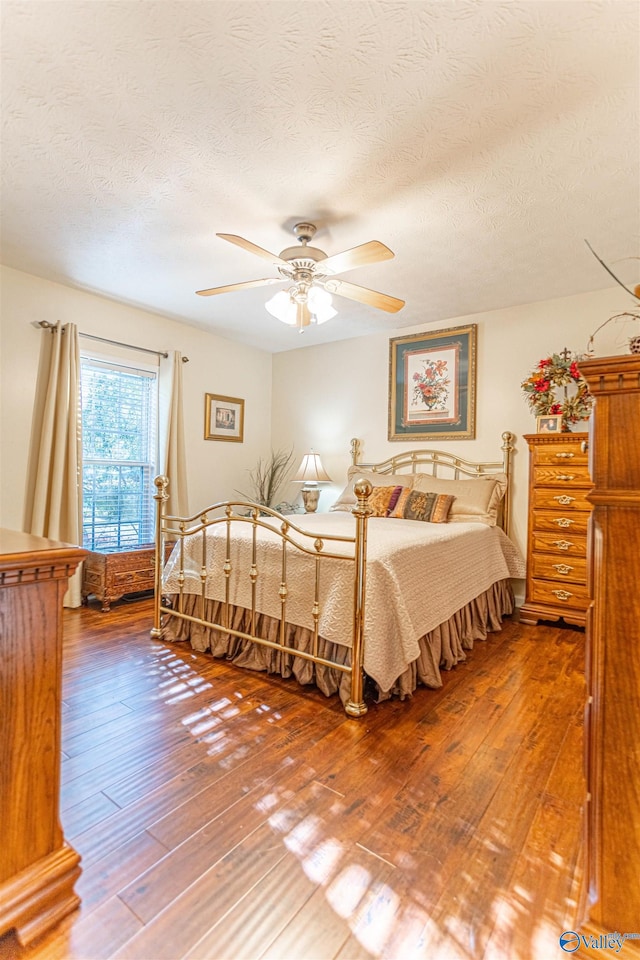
552,423
223,418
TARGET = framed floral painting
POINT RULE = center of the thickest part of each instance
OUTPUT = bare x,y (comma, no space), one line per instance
432,385
223,418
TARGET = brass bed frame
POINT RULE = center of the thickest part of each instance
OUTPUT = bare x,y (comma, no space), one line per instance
228,513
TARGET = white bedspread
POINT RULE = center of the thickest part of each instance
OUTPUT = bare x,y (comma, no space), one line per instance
418,575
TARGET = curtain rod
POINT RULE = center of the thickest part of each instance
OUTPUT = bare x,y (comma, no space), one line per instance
116,343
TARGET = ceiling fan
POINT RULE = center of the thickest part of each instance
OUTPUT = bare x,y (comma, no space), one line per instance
311,275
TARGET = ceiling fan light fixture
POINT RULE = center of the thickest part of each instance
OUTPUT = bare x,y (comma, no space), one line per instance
284,305
320,305
283,308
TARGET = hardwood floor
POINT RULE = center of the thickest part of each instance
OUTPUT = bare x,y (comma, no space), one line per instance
223,815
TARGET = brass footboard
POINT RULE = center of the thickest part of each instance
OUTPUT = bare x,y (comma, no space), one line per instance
291,538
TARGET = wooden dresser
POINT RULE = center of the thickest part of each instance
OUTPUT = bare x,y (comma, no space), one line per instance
37,868
559,483
611,899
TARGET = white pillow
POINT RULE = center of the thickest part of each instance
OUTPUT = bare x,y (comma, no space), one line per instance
476,500
347,499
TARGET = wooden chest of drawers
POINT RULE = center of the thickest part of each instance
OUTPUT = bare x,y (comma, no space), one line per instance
109,576
559,511
38,869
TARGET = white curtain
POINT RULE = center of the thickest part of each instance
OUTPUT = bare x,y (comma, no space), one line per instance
57,500
174,461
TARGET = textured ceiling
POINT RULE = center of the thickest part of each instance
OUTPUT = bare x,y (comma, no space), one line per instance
481,141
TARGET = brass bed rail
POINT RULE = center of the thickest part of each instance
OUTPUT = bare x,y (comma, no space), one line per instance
292,537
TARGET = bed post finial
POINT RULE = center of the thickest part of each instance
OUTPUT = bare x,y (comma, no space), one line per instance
355,450
161,497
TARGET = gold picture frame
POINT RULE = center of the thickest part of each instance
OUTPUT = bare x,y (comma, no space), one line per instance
432,385
549,423
223,418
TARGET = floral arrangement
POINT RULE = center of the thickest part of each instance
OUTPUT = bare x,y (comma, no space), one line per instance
431,387
559,370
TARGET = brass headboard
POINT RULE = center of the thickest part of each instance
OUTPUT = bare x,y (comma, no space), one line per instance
433,462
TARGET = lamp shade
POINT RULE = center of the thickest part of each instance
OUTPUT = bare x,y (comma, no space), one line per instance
319,302
284,305
311,470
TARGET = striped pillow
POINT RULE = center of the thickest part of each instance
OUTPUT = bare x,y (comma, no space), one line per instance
428,506
383,500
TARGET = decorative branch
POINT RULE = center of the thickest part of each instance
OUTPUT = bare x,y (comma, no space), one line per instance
268,477
634,293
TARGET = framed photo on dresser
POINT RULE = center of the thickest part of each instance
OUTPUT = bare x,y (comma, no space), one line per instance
551,423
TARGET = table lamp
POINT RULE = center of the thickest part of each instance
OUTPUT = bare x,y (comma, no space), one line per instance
311,473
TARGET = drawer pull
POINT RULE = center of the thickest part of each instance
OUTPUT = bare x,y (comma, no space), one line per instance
563,521
562,594
563,544
565,476
562,568
565,456
564,499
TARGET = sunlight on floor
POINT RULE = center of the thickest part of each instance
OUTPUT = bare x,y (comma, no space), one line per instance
387,924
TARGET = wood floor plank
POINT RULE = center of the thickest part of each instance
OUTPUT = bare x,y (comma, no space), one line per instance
119,868
89,721
227,815
548,856
161,884
207,900
238,782
257,920
87,814
94,937
354,903
505,823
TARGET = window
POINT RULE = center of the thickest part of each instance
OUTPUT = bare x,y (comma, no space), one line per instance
119,443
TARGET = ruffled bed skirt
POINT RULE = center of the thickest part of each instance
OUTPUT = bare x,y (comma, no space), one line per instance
440,648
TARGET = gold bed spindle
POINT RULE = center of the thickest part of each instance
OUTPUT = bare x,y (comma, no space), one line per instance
355,451
203,568
318,546
182,525
161,496
355,706
508,439
283,591
253,572
227,566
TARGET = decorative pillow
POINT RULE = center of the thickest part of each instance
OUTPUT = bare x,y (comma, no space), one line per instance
428,506
476,500
347,499
383,500
398,510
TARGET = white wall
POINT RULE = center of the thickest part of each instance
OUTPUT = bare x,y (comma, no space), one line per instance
216,365
316,397
324,395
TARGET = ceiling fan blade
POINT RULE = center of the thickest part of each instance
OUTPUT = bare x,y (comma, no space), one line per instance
237,286
251,247
372,252
363,295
